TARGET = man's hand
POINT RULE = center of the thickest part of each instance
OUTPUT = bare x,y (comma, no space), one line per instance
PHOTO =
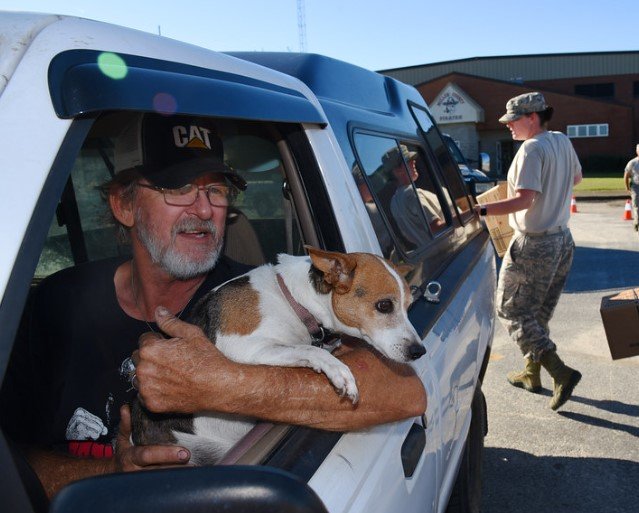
130,457
188,374
175,374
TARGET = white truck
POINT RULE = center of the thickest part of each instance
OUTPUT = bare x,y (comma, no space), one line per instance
314,139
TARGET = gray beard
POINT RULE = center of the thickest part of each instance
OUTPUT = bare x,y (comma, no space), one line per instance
176,264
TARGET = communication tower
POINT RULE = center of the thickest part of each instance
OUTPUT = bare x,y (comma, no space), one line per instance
301,25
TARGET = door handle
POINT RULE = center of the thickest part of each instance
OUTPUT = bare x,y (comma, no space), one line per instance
413,448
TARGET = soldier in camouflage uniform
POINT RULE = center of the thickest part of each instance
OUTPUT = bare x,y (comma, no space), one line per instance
631,179
536,265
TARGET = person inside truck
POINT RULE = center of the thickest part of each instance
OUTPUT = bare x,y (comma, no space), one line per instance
407,205
71,376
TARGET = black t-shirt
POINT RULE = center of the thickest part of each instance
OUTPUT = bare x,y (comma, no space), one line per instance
66,381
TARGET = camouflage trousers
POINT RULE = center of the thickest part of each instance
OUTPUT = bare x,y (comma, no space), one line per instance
634,201
532,276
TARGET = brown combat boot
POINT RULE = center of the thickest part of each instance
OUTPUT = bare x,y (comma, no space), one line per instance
528,378
565,379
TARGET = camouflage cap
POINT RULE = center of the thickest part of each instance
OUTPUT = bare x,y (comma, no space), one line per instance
391,158
523,104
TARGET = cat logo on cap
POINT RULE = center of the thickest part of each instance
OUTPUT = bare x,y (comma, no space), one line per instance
191,137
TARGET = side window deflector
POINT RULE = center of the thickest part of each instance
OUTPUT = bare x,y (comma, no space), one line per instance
76,75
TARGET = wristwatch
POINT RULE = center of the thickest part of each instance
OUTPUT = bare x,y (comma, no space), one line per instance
482,210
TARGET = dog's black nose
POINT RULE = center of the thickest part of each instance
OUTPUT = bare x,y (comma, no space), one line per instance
416,351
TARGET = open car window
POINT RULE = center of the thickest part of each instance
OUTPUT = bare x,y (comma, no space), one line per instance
261,223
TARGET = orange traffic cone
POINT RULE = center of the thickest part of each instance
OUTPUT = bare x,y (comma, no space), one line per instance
627,213
573,206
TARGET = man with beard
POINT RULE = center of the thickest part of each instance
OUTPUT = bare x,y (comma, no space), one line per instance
170,196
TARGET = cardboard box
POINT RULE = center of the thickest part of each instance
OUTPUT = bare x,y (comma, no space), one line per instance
620,316
498,227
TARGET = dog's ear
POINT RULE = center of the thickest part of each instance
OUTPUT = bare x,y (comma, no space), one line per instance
337,268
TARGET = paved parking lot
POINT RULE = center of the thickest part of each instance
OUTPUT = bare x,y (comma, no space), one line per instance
584,458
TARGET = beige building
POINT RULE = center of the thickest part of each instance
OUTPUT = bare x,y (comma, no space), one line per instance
595,96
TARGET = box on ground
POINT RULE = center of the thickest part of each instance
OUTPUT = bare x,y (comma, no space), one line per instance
498,227
620,316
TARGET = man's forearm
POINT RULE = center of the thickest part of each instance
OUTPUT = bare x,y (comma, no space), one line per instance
388,392
206,380
56,470
521,201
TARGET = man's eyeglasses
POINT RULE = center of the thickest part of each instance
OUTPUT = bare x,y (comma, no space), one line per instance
218,195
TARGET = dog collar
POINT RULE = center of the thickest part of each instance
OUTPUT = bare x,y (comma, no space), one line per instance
319,334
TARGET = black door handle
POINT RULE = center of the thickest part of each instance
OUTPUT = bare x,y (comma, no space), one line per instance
413,448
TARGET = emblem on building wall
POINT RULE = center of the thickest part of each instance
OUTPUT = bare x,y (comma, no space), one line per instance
449,101
453,105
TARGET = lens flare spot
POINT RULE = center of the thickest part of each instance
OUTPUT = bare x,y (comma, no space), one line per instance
164,103
112,65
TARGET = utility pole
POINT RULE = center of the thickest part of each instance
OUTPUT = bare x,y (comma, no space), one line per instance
301,25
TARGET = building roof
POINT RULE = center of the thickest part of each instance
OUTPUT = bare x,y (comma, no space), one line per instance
524,68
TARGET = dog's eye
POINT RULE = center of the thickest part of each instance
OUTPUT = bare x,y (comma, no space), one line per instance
384,306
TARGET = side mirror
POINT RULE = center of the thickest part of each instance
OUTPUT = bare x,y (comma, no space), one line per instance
484,159
231,489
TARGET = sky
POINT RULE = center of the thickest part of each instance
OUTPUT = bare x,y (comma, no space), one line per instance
374,34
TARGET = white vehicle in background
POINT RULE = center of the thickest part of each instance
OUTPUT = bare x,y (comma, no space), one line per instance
314,138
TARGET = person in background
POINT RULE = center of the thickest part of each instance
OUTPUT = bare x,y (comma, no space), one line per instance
631,181
536,264
409,205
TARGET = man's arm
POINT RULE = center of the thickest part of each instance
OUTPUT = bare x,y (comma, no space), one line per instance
55,469
522,200
626,179
187,373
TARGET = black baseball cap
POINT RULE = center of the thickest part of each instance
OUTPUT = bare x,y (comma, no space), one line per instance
172,151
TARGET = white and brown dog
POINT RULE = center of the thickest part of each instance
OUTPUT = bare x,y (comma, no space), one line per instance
279,315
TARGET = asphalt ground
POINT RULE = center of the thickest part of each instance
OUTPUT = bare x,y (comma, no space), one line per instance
585,457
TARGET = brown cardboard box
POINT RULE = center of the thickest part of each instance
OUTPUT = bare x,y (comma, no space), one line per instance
498,227
620,316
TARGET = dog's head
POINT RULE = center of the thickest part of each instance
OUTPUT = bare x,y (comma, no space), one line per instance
371,296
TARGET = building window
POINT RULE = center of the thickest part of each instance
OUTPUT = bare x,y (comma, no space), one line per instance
600,130
606,90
